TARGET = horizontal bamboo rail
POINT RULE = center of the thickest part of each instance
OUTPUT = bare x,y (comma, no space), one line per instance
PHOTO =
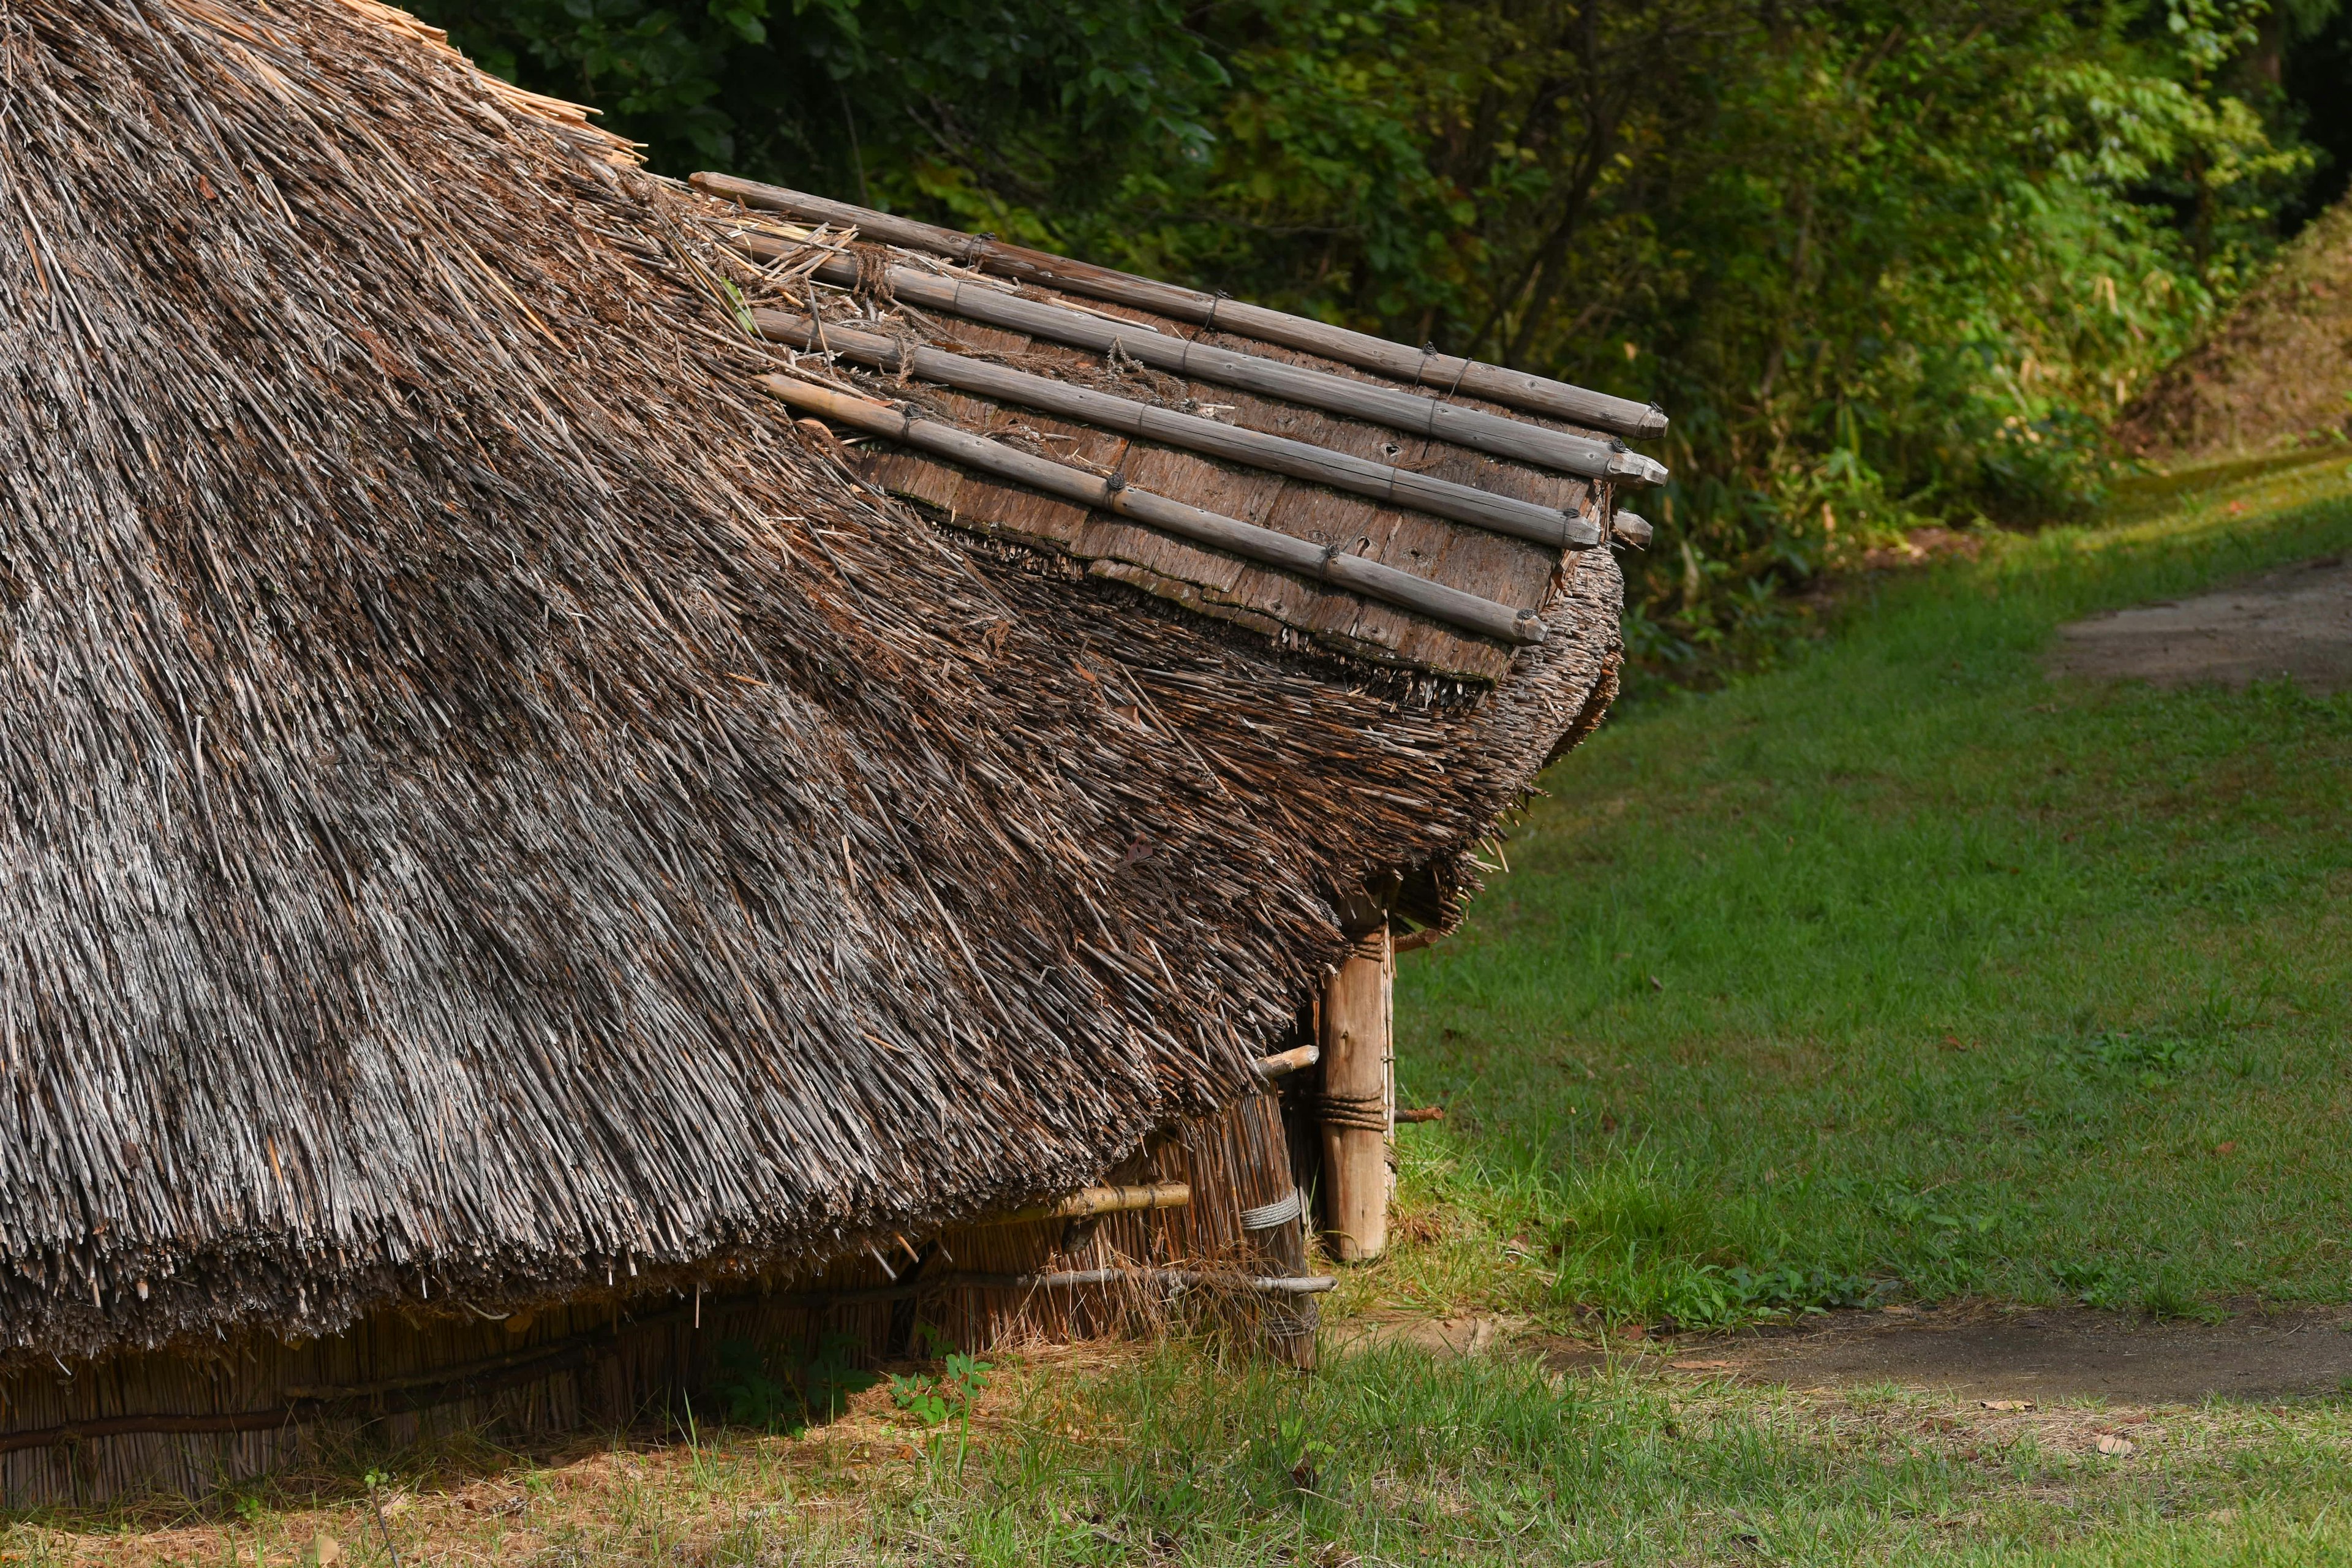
1353,573
1068,1280
1182,1278
1277,454
417,1391
1090,1201
1424,367
1427,418
123,1425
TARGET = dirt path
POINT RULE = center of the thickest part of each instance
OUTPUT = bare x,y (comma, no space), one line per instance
2294,623
2056,1354
2032,1357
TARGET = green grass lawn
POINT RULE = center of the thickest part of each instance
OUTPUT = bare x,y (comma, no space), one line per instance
1908,969
1165,1457
1901,972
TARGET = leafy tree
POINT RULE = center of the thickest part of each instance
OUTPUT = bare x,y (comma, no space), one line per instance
855,96
1885,262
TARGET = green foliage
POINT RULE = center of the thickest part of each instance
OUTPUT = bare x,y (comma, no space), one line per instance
1886,262
757,1390
750,1394
932,1397
907,97
2149,1060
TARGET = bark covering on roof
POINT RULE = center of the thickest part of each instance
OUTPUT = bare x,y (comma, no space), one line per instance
488,810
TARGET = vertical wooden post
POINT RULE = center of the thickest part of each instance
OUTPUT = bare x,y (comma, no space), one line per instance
1358,1099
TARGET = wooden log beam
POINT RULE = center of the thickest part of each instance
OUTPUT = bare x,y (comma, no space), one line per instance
1494,383
1277,454
1357,1099
1408,413
1353,573
1289,1061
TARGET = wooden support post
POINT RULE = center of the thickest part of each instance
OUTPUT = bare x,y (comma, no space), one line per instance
1359,1098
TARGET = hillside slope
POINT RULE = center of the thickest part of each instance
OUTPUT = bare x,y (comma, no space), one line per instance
2275,369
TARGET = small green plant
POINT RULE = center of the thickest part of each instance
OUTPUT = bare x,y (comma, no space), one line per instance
2164,1298
1298,1451
376,1481
920,1395
952,1390
2092,1282
2145,1060
748,1391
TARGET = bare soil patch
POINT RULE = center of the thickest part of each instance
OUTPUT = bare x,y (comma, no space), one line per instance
2037,1357
2000,1360
1468,1333
2293,624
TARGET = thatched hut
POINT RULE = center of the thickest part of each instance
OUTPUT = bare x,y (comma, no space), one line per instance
2271,374
598,768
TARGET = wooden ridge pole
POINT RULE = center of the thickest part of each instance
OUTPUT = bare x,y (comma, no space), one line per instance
1359,1097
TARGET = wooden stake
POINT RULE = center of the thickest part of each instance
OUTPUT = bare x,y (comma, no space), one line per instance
1359,1098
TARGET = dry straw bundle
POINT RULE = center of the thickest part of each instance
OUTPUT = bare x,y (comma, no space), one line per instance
489,812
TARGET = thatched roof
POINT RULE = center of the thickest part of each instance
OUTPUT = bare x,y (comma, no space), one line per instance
1429,529
492,809
2271,374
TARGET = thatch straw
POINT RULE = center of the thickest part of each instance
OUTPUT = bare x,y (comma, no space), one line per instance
488,813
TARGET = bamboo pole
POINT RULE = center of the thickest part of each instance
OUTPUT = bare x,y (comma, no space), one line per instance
1089,1202
1425,367
1277,453
1357,1098
1181,1278
1066,1279
1352,573
1409,413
